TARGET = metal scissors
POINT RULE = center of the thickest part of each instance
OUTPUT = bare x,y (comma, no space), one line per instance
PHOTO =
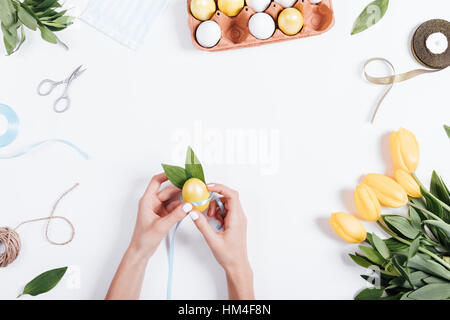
47,86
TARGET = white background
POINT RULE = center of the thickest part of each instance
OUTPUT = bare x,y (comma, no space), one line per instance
130,108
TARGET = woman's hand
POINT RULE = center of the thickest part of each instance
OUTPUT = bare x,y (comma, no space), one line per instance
230,246
158,212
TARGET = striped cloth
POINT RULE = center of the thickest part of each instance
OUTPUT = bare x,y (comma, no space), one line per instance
126,21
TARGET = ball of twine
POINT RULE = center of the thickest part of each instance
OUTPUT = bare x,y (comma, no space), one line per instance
11,240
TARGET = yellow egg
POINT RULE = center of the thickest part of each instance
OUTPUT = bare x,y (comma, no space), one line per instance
290,21
194,190
203,9
231,7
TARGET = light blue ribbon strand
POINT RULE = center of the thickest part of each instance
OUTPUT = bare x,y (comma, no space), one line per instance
67,143
212,196
13,125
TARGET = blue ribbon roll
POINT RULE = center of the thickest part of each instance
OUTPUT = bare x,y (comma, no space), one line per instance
13,125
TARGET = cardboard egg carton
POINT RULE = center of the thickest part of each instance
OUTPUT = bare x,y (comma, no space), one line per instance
318,18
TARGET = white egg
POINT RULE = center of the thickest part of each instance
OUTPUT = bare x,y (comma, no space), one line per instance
287,3
261,25
208,34
258,5
315,1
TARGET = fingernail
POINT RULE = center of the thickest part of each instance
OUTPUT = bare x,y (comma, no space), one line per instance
193,215
211,184
187,207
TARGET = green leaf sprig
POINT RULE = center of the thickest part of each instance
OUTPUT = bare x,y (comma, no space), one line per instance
414,262
370,15
44,15
44,282
192,169
447,130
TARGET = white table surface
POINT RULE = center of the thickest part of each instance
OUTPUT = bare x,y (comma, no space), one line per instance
131,111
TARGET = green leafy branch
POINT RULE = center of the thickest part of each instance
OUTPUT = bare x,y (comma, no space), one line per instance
44,15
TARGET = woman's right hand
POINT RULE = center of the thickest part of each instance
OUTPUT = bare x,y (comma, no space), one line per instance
230,246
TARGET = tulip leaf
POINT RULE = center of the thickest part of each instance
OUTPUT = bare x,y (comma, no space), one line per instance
419,263
433,291
405,274
44,282
370,294
27,19
447,130
370,15
402,225
372,255
193,166
381,246
439,189
363,262
175,174
445,227
414,218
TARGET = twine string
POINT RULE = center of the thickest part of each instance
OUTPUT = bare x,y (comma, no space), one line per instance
11,240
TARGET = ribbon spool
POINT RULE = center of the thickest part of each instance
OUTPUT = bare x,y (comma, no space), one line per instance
11,240
12,131
422,53
212,196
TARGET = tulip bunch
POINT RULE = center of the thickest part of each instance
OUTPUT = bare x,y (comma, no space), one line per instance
414,263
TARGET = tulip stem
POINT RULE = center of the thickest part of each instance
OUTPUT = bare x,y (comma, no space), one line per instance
408,243
431,214
442,203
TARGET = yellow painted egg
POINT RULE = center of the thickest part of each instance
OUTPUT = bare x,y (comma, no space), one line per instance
203,9
195,190
231,7
290,21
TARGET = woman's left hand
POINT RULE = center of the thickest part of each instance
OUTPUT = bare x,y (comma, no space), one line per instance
158,212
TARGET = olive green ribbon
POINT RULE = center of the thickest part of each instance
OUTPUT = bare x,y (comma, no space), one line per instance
391,79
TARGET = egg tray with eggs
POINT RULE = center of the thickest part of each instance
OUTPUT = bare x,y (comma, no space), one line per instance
257,22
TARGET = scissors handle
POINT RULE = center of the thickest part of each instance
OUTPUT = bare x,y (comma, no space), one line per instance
47,86
61,104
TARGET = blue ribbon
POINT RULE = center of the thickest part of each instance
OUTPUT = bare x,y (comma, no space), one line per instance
13,125
212,196
13,130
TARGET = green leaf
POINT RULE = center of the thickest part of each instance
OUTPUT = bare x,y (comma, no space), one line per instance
439,189
418,262
395,246
10,38
193,166
447,129
414,218
372,255
370,15
27,19
434,280
7,13
433,291
414,248
363,262
381,246
403,271
176,175
445,227
370,294
402,225
44,282
48,35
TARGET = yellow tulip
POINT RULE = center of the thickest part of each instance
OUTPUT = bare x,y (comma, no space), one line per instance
194,190
407,181
348,227
367,203
387,190
404,150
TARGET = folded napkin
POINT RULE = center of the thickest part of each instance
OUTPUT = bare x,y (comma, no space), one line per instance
126,21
